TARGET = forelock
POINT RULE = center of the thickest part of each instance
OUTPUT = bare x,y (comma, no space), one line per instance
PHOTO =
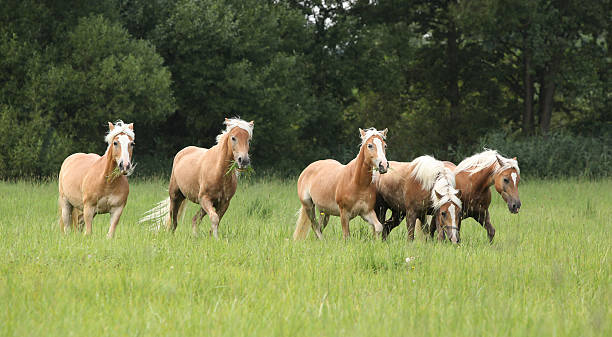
119,128
231,123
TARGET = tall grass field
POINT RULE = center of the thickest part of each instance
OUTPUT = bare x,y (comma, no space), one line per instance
548,272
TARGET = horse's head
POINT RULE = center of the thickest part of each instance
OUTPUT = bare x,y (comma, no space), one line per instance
506,183
239,137
448,215
120,138
374,147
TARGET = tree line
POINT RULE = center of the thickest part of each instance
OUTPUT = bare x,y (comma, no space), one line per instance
531,78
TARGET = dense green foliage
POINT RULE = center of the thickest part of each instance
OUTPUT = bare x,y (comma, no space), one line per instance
443,76
548,273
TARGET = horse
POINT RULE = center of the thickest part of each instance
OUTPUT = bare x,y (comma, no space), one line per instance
91,184
476,174
473,177
416,189
207,177
343,190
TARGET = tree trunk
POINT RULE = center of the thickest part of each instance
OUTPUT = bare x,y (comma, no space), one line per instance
528,99
546,105
547,94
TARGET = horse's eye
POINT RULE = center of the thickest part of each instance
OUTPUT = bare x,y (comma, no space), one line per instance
370,146
132,144
444,214
506,180
233,139
115,143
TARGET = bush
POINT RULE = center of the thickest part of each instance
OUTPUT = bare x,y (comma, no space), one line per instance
560,154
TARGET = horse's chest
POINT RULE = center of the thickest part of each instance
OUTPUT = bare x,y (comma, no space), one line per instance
108,202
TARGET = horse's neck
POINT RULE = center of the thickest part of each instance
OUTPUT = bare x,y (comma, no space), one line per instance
223,156
109,163
484,179
362,173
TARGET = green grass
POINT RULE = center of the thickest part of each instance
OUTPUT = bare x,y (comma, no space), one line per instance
548,273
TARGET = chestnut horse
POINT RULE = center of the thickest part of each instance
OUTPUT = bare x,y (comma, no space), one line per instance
90,184
415,189
343,190
206,177
474,176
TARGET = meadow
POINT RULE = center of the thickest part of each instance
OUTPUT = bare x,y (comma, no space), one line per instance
548,272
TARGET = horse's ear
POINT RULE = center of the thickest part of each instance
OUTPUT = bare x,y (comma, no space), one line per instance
438,194
111,126
361,133
251,123
131,126
515,158
501,163
384,132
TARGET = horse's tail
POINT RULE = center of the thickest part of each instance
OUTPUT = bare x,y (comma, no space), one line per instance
302,226
160,214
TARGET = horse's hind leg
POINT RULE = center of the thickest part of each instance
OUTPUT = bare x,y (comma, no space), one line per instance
175,207
316,226
323,220
66,214
197,219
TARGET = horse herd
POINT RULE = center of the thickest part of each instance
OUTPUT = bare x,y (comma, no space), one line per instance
368,186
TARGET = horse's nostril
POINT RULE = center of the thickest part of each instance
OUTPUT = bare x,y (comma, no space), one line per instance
239,160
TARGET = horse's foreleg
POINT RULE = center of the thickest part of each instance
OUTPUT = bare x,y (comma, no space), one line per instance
208,207
115,214
88,214
371,218
485,220
410,223
432,227
197,219
344,220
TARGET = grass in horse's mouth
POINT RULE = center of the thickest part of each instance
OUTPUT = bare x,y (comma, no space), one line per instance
116,173
234,166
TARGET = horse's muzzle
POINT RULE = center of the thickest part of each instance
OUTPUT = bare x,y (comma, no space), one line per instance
514,206
243,162
124,169
383,167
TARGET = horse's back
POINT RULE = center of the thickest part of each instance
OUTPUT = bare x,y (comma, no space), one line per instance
73,170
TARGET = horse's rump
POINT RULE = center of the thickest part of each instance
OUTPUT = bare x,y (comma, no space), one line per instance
73,170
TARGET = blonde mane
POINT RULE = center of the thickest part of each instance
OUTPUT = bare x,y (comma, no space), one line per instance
231,123
369,133
485,159
435,177
119,128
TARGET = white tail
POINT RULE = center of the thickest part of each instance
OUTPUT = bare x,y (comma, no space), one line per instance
302,226
160,214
